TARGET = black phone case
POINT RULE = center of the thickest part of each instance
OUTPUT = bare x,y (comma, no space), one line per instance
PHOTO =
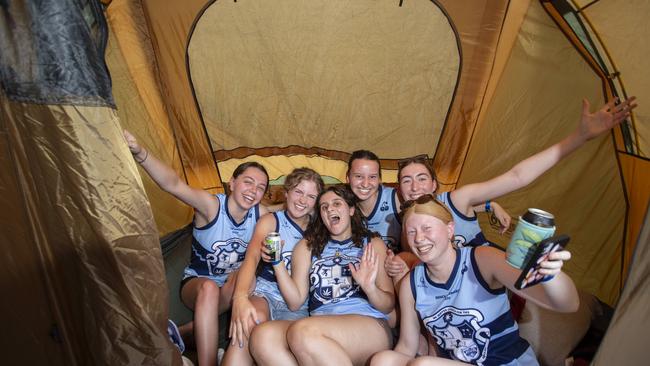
529,275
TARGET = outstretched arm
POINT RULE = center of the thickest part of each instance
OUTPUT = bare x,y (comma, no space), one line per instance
204,204
591,125
558,294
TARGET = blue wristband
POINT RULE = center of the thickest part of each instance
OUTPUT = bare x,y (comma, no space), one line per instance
276,262
488,208
547,278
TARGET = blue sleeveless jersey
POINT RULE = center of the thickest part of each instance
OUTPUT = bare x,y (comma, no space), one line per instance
332,289
469,321
218,248
467,230
291,233
384,218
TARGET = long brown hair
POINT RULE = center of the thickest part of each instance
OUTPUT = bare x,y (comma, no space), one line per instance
317,234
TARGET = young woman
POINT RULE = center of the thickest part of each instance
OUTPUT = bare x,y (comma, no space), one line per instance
223,226
339,266
258,301
380,204
417,177
458,294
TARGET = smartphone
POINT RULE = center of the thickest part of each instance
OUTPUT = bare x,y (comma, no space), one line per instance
530,274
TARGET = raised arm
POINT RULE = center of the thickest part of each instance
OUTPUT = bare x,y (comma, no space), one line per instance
295,287
371,276
244,315
558,294
591,125
204,204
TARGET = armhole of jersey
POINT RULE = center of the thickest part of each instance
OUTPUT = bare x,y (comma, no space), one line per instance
394,200
216,217
257,212
480,278
277,222
412,278
460,214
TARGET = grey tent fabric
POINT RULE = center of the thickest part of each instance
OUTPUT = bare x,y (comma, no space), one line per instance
53,52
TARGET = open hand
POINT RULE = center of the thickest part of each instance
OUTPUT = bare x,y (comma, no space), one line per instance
365,272
608,116
243,319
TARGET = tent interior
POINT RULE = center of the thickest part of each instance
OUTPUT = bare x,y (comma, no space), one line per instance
476,85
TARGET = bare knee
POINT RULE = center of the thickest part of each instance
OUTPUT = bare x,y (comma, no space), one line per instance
388,358
420,361
263,341
300,336
207,294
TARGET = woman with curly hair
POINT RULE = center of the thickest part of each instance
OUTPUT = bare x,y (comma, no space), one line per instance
339,267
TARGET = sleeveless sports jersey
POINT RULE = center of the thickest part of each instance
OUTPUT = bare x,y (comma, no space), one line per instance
469,321
384,218
291,233
467,230
267,285
218,248
332,289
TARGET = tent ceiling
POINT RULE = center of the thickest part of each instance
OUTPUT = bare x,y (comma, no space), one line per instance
337,75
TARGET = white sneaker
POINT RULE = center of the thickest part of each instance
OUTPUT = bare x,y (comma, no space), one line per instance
187,361
220,353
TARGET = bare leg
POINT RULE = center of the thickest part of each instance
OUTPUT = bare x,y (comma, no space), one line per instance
202,296
389,358
338,339
207,300
434,361
236,355
268,344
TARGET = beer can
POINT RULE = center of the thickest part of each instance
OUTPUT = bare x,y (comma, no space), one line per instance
274,244
534,226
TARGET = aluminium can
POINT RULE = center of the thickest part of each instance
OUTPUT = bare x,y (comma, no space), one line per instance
273,243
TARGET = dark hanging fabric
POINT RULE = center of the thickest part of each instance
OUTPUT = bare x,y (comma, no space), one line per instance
52,52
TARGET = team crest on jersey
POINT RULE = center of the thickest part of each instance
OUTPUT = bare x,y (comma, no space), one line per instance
227,256
384,207
459,332
459,241
331,279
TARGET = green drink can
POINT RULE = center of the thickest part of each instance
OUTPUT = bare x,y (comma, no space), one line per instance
274,243
534,226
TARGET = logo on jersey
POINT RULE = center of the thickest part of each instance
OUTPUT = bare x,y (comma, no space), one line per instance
227,256
459,241
331,279
286,257
384,207
459,332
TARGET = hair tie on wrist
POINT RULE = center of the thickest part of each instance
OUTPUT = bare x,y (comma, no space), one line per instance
488,207
146,155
